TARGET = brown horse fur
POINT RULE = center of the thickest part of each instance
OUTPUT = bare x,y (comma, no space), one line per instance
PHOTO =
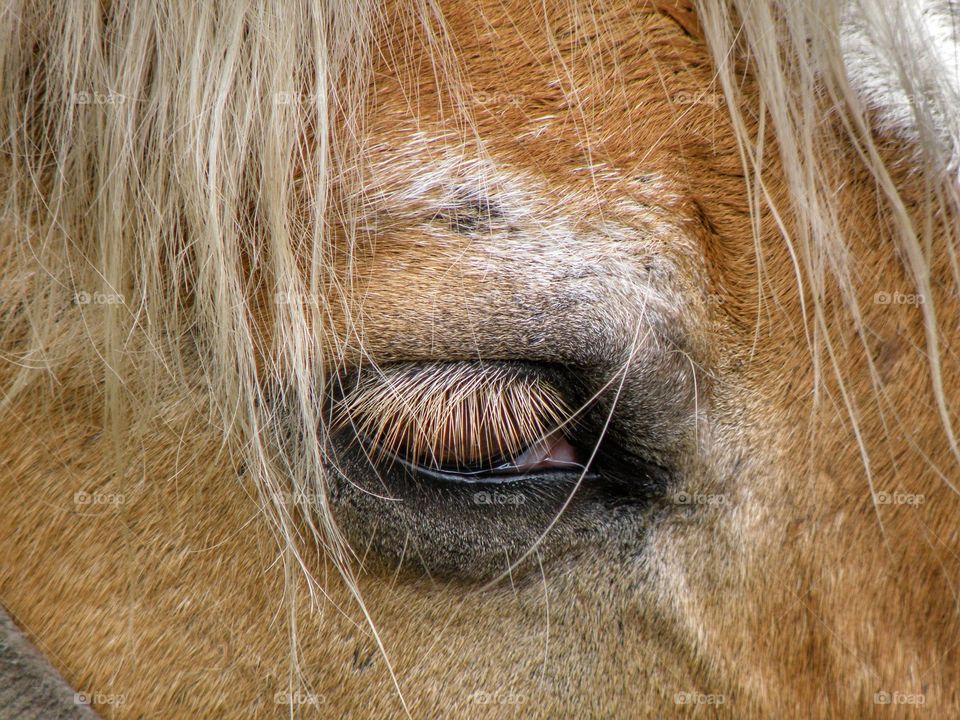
573,196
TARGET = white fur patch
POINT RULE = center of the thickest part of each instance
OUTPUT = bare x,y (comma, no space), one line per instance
903,58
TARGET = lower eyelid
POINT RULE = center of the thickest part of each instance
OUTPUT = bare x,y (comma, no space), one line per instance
481,477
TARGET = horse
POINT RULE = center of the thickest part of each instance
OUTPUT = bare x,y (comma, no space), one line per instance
431,358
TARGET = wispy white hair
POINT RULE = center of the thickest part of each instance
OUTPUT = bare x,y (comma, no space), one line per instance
175,159
874,63
903,60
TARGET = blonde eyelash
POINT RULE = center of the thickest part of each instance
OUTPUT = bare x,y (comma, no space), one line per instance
443,414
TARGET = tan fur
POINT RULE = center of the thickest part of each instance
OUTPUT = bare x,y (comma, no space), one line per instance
798,596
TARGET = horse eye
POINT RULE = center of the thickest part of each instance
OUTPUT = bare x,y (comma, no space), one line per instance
463,423
462,467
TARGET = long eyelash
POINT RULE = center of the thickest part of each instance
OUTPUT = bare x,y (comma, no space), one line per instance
443,413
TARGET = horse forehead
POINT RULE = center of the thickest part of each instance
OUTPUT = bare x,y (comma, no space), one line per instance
601,94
